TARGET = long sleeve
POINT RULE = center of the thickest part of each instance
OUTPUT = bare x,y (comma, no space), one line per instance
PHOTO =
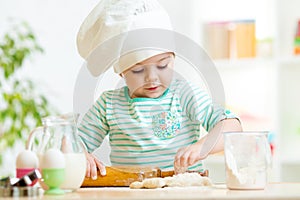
93,127
198,106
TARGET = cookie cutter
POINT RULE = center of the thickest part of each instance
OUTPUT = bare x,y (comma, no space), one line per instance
21,188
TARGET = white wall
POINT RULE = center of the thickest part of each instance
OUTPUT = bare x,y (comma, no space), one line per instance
55,23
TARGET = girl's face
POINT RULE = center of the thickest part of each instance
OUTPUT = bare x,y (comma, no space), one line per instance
151,77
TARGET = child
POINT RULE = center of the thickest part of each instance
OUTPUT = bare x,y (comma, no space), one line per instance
155,119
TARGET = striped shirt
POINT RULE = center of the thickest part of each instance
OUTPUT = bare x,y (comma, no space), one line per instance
149,131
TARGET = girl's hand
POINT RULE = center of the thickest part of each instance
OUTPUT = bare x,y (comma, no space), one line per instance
92,164
209,144
187,156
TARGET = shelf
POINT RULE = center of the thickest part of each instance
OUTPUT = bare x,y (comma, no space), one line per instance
291,161
250,62
289,60
244,62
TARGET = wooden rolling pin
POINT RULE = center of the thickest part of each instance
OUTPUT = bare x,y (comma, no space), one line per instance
122,176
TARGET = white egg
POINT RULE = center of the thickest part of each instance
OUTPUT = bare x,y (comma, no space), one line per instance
27,159
53,159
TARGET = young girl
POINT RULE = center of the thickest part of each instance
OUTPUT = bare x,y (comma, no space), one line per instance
154,120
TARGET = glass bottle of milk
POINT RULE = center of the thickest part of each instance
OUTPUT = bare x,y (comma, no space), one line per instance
61,132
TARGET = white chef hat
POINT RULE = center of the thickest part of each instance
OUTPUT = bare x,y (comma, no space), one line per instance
111,18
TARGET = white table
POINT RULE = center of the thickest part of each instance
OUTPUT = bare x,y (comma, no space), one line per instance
274,191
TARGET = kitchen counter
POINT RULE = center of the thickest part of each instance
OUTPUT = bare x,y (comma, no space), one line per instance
274,191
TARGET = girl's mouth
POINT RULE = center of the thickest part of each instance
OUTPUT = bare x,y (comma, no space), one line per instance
152,88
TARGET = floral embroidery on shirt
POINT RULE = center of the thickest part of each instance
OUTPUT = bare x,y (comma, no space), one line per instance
166,124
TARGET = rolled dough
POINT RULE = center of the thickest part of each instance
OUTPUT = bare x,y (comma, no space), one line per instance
179,180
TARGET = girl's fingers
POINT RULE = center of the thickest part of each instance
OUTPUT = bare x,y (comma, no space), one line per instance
185,157
180,162
93,168
101,167
88,169
178,157
192,159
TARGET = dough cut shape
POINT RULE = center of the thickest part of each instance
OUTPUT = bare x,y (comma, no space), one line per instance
179,180
153,183
136,185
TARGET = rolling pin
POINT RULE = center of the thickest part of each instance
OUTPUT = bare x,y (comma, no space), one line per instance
122,176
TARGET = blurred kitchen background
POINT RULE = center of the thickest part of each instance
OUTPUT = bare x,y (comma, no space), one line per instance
253,43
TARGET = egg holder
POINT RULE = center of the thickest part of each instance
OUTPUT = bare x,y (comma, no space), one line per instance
22,187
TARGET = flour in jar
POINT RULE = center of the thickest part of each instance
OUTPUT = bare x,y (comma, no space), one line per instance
246,178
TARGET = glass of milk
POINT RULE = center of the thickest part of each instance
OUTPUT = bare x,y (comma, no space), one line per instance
247,159
60,132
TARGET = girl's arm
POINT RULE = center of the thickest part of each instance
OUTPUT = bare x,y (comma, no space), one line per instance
209,144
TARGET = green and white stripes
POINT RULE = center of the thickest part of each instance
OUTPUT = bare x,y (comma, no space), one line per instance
130,127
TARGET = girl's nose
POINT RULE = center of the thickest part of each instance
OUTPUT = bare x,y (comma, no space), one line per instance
151,74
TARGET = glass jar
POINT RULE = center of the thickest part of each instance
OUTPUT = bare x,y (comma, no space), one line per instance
247,159
60,132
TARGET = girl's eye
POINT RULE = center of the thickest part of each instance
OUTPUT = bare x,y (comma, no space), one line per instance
162,66
136,71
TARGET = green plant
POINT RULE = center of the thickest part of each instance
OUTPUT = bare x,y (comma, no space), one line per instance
22,105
